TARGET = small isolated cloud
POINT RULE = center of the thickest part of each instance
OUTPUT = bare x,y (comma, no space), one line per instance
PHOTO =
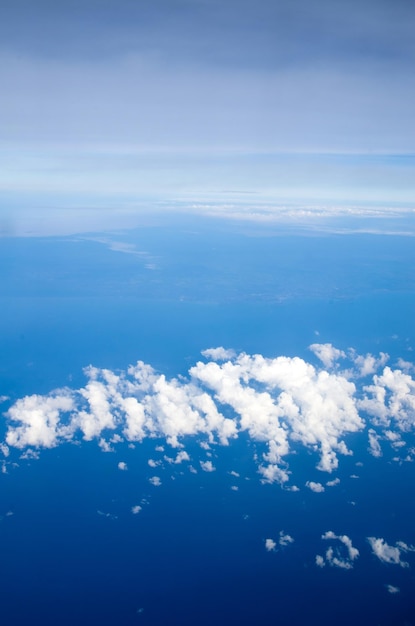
181,456
389,554
207,466
368,364
284,539
155,481
107,515
333,483
407,366
342,557
392,589
316,487
270,545
234,488
374,445
105,445
122,466
320,562
153,463
7,514
327,353
218,354
4,449
135,510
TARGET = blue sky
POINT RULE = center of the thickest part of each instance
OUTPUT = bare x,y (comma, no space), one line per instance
290,100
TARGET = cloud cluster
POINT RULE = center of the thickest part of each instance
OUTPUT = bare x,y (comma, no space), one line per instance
391,399
336,558
281,403
390,554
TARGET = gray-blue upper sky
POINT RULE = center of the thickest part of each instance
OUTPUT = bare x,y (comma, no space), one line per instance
129,96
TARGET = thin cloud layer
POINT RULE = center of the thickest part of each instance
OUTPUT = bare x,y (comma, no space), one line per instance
281,403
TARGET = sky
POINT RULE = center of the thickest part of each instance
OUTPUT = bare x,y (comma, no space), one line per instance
117,104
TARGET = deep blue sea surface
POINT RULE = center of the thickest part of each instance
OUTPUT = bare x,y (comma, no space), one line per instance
72,552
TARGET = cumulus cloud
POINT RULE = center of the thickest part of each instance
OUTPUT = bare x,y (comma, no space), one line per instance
285,539
320,562
374,445
391,399
181,456
280,403
122,466
327,353
316,487
368,364
207,466
155,481
39,419
389,554
270,545
333,483
218,354
336,557
296,403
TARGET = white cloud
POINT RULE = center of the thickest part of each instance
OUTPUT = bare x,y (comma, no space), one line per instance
181,456
279,403
374,445
407,366
334,556
285,539
333,483
391,399
105,446
207,466
122,466
316,487
136,509
392,589
218,354
270,545
39,418
155,481
297,402
387,553
327,353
